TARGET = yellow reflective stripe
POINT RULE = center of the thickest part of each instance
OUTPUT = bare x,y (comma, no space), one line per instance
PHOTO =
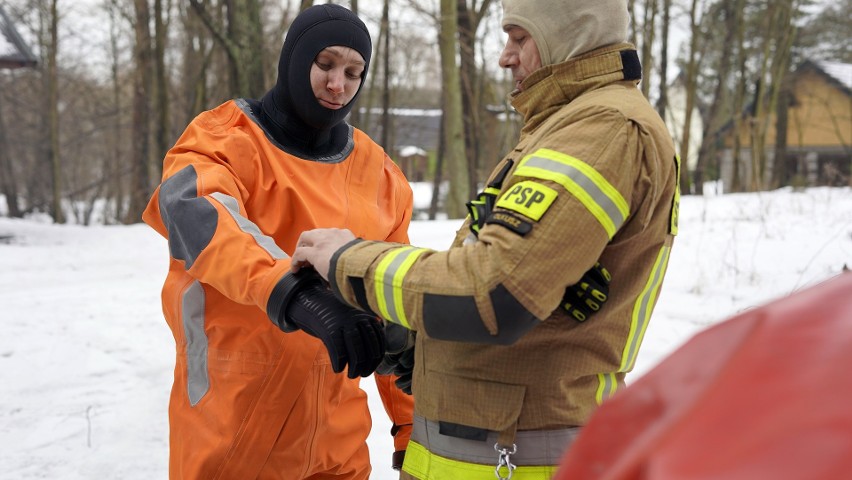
607,385
388,282
426,465
675,215
602,200
642,310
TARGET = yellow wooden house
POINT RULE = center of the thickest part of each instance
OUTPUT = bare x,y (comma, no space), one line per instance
818,134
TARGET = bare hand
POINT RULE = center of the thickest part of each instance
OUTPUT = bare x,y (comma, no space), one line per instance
316,247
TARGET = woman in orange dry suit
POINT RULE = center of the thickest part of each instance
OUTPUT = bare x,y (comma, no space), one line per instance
255,398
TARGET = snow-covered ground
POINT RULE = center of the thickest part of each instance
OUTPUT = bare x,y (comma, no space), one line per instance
86,359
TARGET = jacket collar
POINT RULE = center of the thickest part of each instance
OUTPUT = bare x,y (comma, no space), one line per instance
561,83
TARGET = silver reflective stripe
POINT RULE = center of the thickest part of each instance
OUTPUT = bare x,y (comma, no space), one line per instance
642,310
607,385
266,242
587,184
388,282
535,447
192,310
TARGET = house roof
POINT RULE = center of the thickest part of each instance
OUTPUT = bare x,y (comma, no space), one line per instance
14,52
840,73
836,73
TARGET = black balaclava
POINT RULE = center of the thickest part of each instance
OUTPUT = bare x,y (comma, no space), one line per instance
290,112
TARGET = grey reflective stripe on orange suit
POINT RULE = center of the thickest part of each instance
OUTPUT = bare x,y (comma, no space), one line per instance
192,315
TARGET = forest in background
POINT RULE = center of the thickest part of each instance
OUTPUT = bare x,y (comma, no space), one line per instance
118,80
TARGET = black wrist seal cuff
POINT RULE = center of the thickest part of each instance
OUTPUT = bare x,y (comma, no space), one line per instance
397,459
284,292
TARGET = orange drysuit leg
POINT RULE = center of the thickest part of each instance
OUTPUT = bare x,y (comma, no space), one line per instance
399,407
325,435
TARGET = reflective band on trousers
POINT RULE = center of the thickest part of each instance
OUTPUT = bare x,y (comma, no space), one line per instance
422,464
602,200
431,455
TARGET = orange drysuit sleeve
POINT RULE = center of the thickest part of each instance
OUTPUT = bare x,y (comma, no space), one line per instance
200,208
399,407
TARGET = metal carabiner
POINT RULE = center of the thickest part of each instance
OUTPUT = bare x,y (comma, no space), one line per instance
504,461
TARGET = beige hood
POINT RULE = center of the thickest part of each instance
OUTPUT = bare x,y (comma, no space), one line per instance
563,29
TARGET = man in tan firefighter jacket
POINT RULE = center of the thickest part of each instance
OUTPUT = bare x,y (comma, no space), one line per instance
503,377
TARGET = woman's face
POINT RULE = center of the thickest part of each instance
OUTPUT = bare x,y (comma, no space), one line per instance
336,76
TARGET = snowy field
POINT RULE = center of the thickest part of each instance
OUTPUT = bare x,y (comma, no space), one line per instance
86,359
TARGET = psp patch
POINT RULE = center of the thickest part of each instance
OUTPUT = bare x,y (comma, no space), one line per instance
528,198
511,221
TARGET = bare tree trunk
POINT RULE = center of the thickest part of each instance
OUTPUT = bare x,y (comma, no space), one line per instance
774,63
386,115
691,88
305,5
141,183
713,120
469,19
113,162
53,117
739,99
8,183
355,113
439,174
453,151
162,129
369,101
758,131
470,105
242,40
779,101
648,31
663,101
780,167
197,56
253,52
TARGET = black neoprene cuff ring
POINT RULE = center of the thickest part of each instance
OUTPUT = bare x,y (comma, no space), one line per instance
283,294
